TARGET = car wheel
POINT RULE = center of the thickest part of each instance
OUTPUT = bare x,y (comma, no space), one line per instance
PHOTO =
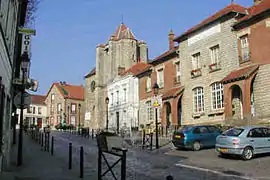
247,153
196,146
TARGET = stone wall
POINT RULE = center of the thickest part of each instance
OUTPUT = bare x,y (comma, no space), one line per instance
228,60
89,95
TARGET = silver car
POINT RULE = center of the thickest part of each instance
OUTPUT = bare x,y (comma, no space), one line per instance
244,141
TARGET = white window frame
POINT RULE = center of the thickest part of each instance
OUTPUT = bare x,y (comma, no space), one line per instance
196,58
160,77
150,111
214,53
59,107
73,120
125,95
217,92
244,47
73,108
52,97
148,84
178,71
198,100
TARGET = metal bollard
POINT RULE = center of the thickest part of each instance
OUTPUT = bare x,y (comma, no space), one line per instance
52,145
45,141
92,133
151,141
42,139
70,156
123,165
169,177
81,162
48,142
99,164
143,140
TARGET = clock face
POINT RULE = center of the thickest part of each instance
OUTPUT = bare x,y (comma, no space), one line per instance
93,86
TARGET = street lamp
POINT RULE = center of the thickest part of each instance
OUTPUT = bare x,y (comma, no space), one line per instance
107,119
155,89
24,66
79,117
68,116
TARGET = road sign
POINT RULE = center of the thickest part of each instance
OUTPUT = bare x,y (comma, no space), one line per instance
27,100
156,102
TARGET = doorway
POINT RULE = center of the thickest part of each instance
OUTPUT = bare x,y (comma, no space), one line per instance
179,111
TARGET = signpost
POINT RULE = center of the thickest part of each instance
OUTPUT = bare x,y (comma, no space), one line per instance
156,102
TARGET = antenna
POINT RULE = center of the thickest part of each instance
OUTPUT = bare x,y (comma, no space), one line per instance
122,16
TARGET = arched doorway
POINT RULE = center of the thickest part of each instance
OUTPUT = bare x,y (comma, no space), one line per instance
252,98
179,111
237,102
168,114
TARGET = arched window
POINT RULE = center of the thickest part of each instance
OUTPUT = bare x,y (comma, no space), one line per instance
198,100
217,96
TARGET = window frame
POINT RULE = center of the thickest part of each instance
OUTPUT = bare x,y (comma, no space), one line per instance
178,71
59,107
71,109
196,61
160,77
215,94
198,93
215,54
150,110
244,45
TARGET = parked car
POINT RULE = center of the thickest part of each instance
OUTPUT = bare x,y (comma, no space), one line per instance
244,141
196,137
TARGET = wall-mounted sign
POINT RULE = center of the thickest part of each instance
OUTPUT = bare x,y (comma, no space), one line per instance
156,102
26,39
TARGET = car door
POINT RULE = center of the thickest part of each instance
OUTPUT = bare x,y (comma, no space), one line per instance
202,135
214,132
257,139
266,132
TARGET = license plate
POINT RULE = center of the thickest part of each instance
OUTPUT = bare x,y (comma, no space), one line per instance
176,136
223,150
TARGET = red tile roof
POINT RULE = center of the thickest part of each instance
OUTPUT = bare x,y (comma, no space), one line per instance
137,69
172,93
69,91
92,72
228,9
165,54
256,10
240,74
123,32
38,99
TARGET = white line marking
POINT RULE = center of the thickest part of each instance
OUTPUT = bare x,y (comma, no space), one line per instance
213,171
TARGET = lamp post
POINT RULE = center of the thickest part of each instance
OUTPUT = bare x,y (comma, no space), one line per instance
24,66
68,121
79,116
155,88
107,113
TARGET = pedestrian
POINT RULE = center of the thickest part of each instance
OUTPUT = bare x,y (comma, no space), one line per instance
169,177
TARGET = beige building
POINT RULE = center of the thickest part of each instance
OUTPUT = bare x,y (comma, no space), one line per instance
120,52
65,103
208,53
36,113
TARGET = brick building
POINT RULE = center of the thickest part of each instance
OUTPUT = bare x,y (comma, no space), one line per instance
65,102
248,85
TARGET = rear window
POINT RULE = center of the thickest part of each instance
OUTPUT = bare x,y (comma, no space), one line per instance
185,129
233,132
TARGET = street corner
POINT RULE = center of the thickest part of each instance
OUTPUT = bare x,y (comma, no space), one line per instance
208,160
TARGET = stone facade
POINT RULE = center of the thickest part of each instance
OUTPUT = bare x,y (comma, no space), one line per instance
208,70
120,52
60,107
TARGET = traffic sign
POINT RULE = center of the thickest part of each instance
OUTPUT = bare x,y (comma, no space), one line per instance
27,100
156,102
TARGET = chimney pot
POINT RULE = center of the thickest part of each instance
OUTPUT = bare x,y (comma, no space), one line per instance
171,38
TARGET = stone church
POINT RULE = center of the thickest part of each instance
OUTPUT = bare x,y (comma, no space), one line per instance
119,53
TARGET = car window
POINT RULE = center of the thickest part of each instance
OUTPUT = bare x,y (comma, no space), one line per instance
185,129
256,133
233,132
213,129
266,132
200,130
196,131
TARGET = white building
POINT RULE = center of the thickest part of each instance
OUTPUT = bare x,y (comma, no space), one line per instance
123,94
36,113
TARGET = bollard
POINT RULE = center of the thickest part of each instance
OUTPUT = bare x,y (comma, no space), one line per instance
143,140
42,139
70,156
45,141
39,137
48,142
92,133
169,177
151,141
123,165
52,144
81,162
99,164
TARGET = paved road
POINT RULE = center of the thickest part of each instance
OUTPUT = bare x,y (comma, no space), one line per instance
141,165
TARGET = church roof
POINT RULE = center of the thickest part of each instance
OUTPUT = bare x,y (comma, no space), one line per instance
123,32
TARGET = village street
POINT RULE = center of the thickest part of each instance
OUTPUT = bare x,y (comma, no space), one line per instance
144,164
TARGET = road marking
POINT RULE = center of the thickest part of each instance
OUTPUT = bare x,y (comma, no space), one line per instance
213,171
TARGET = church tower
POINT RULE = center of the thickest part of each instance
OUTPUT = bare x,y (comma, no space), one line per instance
121,51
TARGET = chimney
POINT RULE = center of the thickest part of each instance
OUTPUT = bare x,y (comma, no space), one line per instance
256,2
121,70
171,42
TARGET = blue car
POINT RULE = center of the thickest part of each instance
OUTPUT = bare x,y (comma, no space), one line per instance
244,141
196,137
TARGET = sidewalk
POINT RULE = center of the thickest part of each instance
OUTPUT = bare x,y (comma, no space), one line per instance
37,165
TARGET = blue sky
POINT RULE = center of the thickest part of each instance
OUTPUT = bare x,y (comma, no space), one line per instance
68,32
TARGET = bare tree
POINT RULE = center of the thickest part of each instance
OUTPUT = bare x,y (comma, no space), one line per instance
31,10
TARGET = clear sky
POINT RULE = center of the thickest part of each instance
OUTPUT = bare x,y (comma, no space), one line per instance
69,30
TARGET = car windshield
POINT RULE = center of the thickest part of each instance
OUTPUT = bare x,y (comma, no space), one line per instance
233,132
185,129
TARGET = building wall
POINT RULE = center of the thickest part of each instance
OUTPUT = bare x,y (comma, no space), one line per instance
90,105
258,38
127,105
228,60
8,20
